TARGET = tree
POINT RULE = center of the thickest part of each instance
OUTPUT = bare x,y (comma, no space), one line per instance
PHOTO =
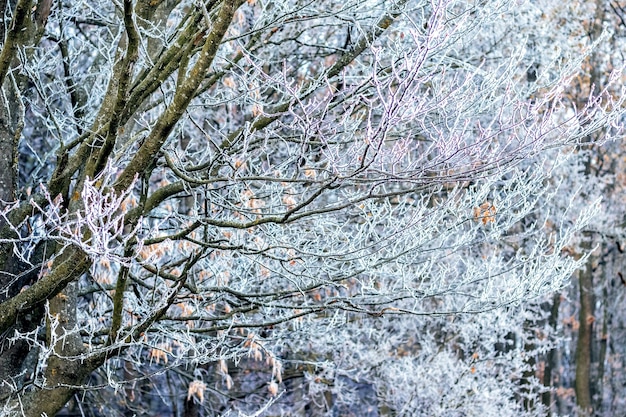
248,189
584,371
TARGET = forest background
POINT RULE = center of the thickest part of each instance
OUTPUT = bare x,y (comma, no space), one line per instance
312,208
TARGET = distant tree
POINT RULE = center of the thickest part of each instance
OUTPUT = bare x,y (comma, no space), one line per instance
294,206
585,368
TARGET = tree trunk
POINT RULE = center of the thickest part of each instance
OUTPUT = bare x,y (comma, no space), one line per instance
19,31
12,354
68,366
585,335
552,356
527,376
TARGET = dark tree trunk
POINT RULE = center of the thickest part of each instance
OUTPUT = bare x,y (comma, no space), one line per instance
585,336
552,356
12,354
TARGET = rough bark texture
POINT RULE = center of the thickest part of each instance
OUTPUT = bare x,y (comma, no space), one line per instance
11,354
14,275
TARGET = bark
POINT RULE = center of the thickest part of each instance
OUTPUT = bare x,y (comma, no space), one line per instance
14,275
67,374
599,385
12,354
44,289
64,366
7,191
21,18
552,362
529,374
583,345
68,366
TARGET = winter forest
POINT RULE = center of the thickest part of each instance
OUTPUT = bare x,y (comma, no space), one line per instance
312,208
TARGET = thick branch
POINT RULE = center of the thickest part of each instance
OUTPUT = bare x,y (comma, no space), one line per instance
74,265
183,96
132,53
20,19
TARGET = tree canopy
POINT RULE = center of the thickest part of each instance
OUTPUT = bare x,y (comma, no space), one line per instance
292,207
